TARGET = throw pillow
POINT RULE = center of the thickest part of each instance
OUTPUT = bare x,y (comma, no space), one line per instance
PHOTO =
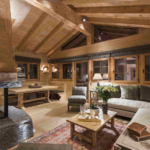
117,94
130,92
145,93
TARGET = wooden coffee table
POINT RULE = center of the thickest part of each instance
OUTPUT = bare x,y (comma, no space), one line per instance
93,127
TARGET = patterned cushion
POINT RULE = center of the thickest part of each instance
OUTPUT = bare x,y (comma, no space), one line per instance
79,91
130,92
77,99
145,93
117,94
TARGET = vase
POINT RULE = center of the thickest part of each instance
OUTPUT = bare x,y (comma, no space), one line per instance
105,107
95,111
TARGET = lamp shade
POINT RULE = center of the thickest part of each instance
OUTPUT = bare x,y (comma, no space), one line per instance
97,76
105,76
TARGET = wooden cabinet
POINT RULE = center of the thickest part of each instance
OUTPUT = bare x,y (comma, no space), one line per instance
124,69
101,66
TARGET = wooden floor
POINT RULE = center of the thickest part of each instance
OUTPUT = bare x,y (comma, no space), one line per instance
47,116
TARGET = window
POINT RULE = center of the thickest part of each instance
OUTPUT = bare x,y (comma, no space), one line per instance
55,71
101,66
146,68
125,68
31,70
67,71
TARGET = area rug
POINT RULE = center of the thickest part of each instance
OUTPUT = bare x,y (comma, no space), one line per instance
61,135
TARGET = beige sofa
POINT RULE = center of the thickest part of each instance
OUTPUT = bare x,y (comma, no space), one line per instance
127,107
125,142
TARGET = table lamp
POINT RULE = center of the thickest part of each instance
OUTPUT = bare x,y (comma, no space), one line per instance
97,76
105,76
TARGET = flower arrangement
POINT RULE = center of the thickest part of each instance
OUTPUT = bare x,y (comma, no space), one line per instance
105,92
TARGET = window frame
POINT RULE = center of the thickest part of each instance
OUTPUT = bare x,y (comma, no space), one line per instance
92,69
125,81
143,68
28,65
62,72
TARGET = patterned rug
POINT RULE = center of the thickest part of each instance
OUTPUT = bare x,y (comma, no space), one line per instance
61,135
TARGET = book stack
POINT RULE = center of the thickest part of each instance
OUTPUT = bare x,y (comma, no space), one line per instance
138,132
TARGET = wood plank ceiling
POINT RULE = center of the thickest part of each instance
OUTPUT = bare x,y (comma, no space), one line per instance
42,26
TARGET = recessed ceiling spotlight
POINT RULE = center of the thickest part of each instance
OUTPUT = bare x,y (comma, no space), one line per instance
84,19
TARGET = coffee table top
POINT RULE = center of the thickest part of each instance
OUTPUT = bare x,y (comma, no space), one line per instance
94,126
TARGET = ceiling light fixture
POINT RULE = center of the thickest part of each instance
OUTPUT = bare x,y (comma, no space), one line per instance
84,19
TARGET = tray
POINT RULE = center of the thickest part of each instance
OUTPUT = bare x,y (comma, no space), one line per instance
88,120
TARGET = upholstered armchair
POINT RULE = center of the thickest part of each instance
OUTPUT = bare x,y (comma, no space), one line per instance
78,97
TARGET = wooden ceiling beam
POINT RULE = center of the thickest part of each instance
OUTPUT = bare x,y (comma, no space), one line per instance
33,32
106,2
20,18
115,12
136,23
117,30
63,13
49,37
61,42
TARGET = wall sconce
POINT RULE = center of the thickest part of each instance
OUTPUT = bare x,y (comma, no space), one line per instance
55,70
45,69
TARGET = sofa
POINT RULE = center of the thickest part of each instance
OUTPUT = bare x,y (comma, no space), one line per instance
125,142
129,99
79,95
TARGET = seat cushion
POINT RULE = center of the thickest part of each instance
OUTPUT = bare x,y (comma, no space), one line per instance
131,92
77,99
125,104
145,93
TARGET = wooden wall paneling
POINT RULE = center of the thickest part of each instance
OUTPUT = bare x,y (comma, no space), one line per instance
130,22
124,81
62,13
122,43
40,47
33,32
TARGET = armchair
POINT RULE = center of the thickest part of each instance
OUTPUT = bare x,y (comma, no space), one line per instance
78,97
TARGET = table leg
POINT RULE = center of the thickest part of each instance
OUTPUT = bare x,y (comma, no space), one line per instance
71,130
20,101
47,97
94,140
112,122
113,127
